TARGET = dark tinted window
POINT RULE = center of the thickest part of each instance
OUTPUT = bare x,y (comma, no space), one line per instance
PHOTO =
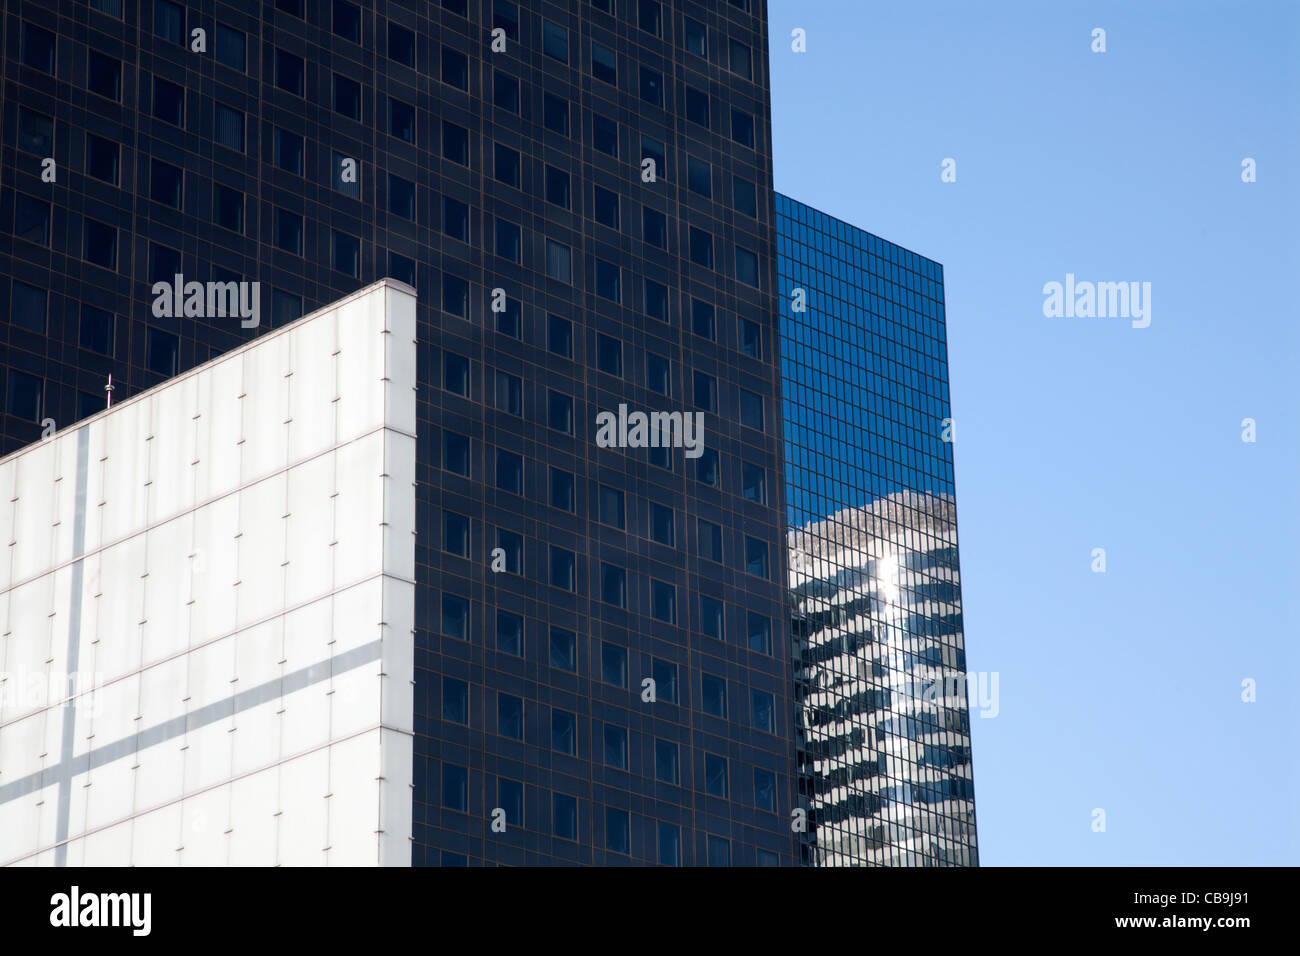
104,75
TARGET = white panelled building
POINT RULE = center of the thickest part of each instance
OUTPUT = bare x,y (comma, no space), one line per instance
207,601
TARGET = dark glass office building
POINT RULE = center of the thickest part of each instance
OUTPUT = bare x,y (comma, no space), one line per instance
580,193
883,724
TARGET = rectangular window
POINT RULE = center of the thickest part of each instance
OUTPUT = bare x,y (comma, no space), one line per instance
559,336
652,149
654,227
759,633
100,244
563,569
604,207
564,732
709,540
168,102
347,20
616,830
604,134
751,409
455,68
292,7
695,38
346,175
616,746
557,187
702,316
667,769
558,262
289,72
712,618
455,787
510,472
699,177
455,295
715,775
510,320
104,75
697,106
228,127
401,120
743,196
608,284
287,149
555,41
346,254
609,354
669,843
455,373
505,165
706,467
169,21
285,307
762,710
455,453
610,508
505,91
658,373
705,391
559,411
756,557
555,113
455,700
665,678
753,482
740,59
662,524
401,268
663,602
713,695
161,350
613,664
347,97
656,300
455,616
604,64
455,219
765,790
652,86
35,132
25,396
750,336
510,716
401,197
96,332
701,247
401,44
564,816
507,240
455,534
228,208
613,585
563,652
32,220
509,393
228,47
562,489
164,263
288,231
28,307
746,267
510,633
510,798
112,7
742,128
649,16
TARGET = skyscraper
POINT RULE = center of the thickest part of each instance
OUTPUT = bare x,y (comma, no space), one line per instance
580,194
880,671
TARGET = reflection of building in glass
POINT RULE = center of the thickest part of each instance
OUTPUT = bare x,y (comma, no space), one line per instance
883,726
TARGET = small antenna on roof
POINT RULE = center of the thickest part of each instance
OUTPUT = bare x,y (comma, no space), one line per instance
109,389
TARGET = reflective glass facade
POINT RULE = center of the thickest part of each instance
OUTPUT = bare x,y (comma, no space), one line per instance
883,725
313,146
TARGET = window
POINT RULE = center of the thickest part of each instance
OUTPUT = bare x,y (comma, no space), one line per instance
455,700
742,196
564,732
665,678
563,565
559,335
160,352
288,231
285,307
347,97
709,537
38,48
604,64
695,38
401,44
765,789
510,472
510,393
702,314
740,59
455,68
228,127
697,106
667,769
288,72
616,746
401,268
759,630
104,75
557,187
228,47
705,389
564,816
228,208
706,467
455,453
609,354
658,373
564,649
88,404
756,557
746,267
456,6
96,331
455,295
455,787
562,489
507,240
663,602
168,102
558,261
346,173
669,842
169,21
604,134
401,120
701,248
112,7
401,197
654,227
346,254
32,220
713,695
35,132
604,207
164,263
607,280
662,524
510,716
555,41
742,128
762,710
347,20
510,633
606,5
100,245
455,219
654,150
699,177
287,148
613,586
652,87
715,775
750,336
28,308
510,798
719,851
505,91
753,482
455,616
293,7
505,165
751,409
24,398
510,320
609,507
616,830
559,411
555,113
656,300
648,16
455,534
712,618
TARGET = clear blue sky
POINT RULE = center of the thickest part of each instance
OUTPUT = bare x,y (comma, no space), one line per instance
1119,690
